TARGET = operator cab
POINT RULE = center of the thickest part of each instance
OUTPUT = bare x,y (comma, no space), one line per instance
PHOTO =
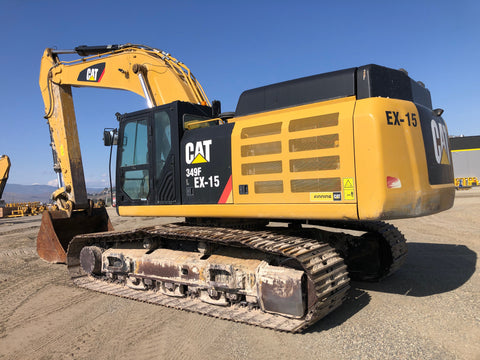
158,149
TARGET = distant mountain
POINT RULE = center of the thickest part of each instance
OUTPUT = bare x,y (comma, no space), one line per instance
24,193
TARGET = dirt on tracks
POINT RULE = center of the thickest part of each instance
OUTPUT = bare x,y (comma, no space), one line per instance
429,309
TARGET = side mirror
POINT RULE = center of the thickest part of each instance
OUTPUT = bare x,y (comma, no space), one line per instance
110,137
216,108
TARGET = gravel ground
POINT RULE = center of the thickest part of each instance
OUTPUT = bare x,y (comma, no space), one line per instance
429,309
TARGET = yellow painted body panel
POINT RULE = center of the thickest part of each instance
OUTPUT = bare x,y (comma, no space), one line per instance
290,131
327,160
258,211
382,150
324,160
300,152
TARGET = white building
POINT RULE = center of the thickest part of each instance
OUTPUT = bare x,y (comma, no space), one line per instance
466,160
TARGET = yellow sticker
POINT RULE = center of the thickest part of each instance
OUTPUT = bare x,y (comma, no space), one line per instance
321,196
348,194
347,183
199,159
348,189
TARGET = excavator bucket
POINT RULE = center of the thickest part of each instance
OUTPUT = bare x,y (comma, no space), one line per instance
57,230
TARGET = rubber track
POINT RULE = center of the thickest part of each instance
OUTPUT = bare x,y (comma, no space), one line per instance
393,238
324,268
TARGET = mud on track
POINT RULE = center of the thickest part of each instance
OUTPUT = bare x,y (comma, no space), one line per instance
429,309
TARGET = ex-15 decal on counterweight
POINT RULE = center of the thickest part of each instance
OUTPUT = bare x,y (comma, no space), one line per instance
206,165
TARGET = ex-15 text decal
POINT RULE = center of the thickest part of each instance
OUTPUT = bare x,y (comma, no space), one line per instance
394,118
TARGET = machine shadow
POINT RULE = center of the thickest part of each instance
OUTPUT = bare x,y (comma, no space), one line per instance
429,269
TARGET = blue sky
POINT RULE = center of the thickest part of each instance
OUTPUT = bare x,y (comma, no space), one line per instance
230,47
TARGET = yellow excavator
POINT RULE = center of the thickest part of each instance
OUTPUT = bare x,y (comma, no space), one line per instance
4,171
266,191
14,209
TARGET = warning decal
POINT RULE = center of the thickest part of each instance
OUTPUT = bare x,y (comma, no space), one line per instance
348,189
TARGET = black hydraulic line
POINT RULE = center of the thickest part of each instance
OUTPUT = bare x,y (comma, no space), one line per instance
84,50
110,173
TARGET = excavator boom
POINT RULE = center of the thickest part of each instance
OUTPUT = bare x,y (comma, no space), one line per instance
4,170
146,71
151,73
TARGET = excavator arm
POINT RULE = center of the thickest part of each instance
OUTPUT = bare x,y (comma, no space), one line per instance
4,170
146,71
151,73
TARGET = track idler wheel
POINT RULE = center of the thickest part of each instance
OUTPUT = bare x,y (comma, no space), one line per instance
91,260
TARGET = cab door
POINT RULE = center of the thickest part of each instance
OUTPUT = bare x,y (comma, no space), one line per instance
147,158
134,175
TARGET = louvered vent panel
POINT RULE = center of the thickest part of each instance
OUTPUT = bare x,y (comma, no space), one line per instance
310,147
269,187
269,148
314,143
316,185
315,164
314,122
269,167
261,130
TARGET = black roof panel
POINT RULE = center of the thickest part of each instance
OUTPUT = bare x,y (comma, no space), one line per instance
364,82
305,90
